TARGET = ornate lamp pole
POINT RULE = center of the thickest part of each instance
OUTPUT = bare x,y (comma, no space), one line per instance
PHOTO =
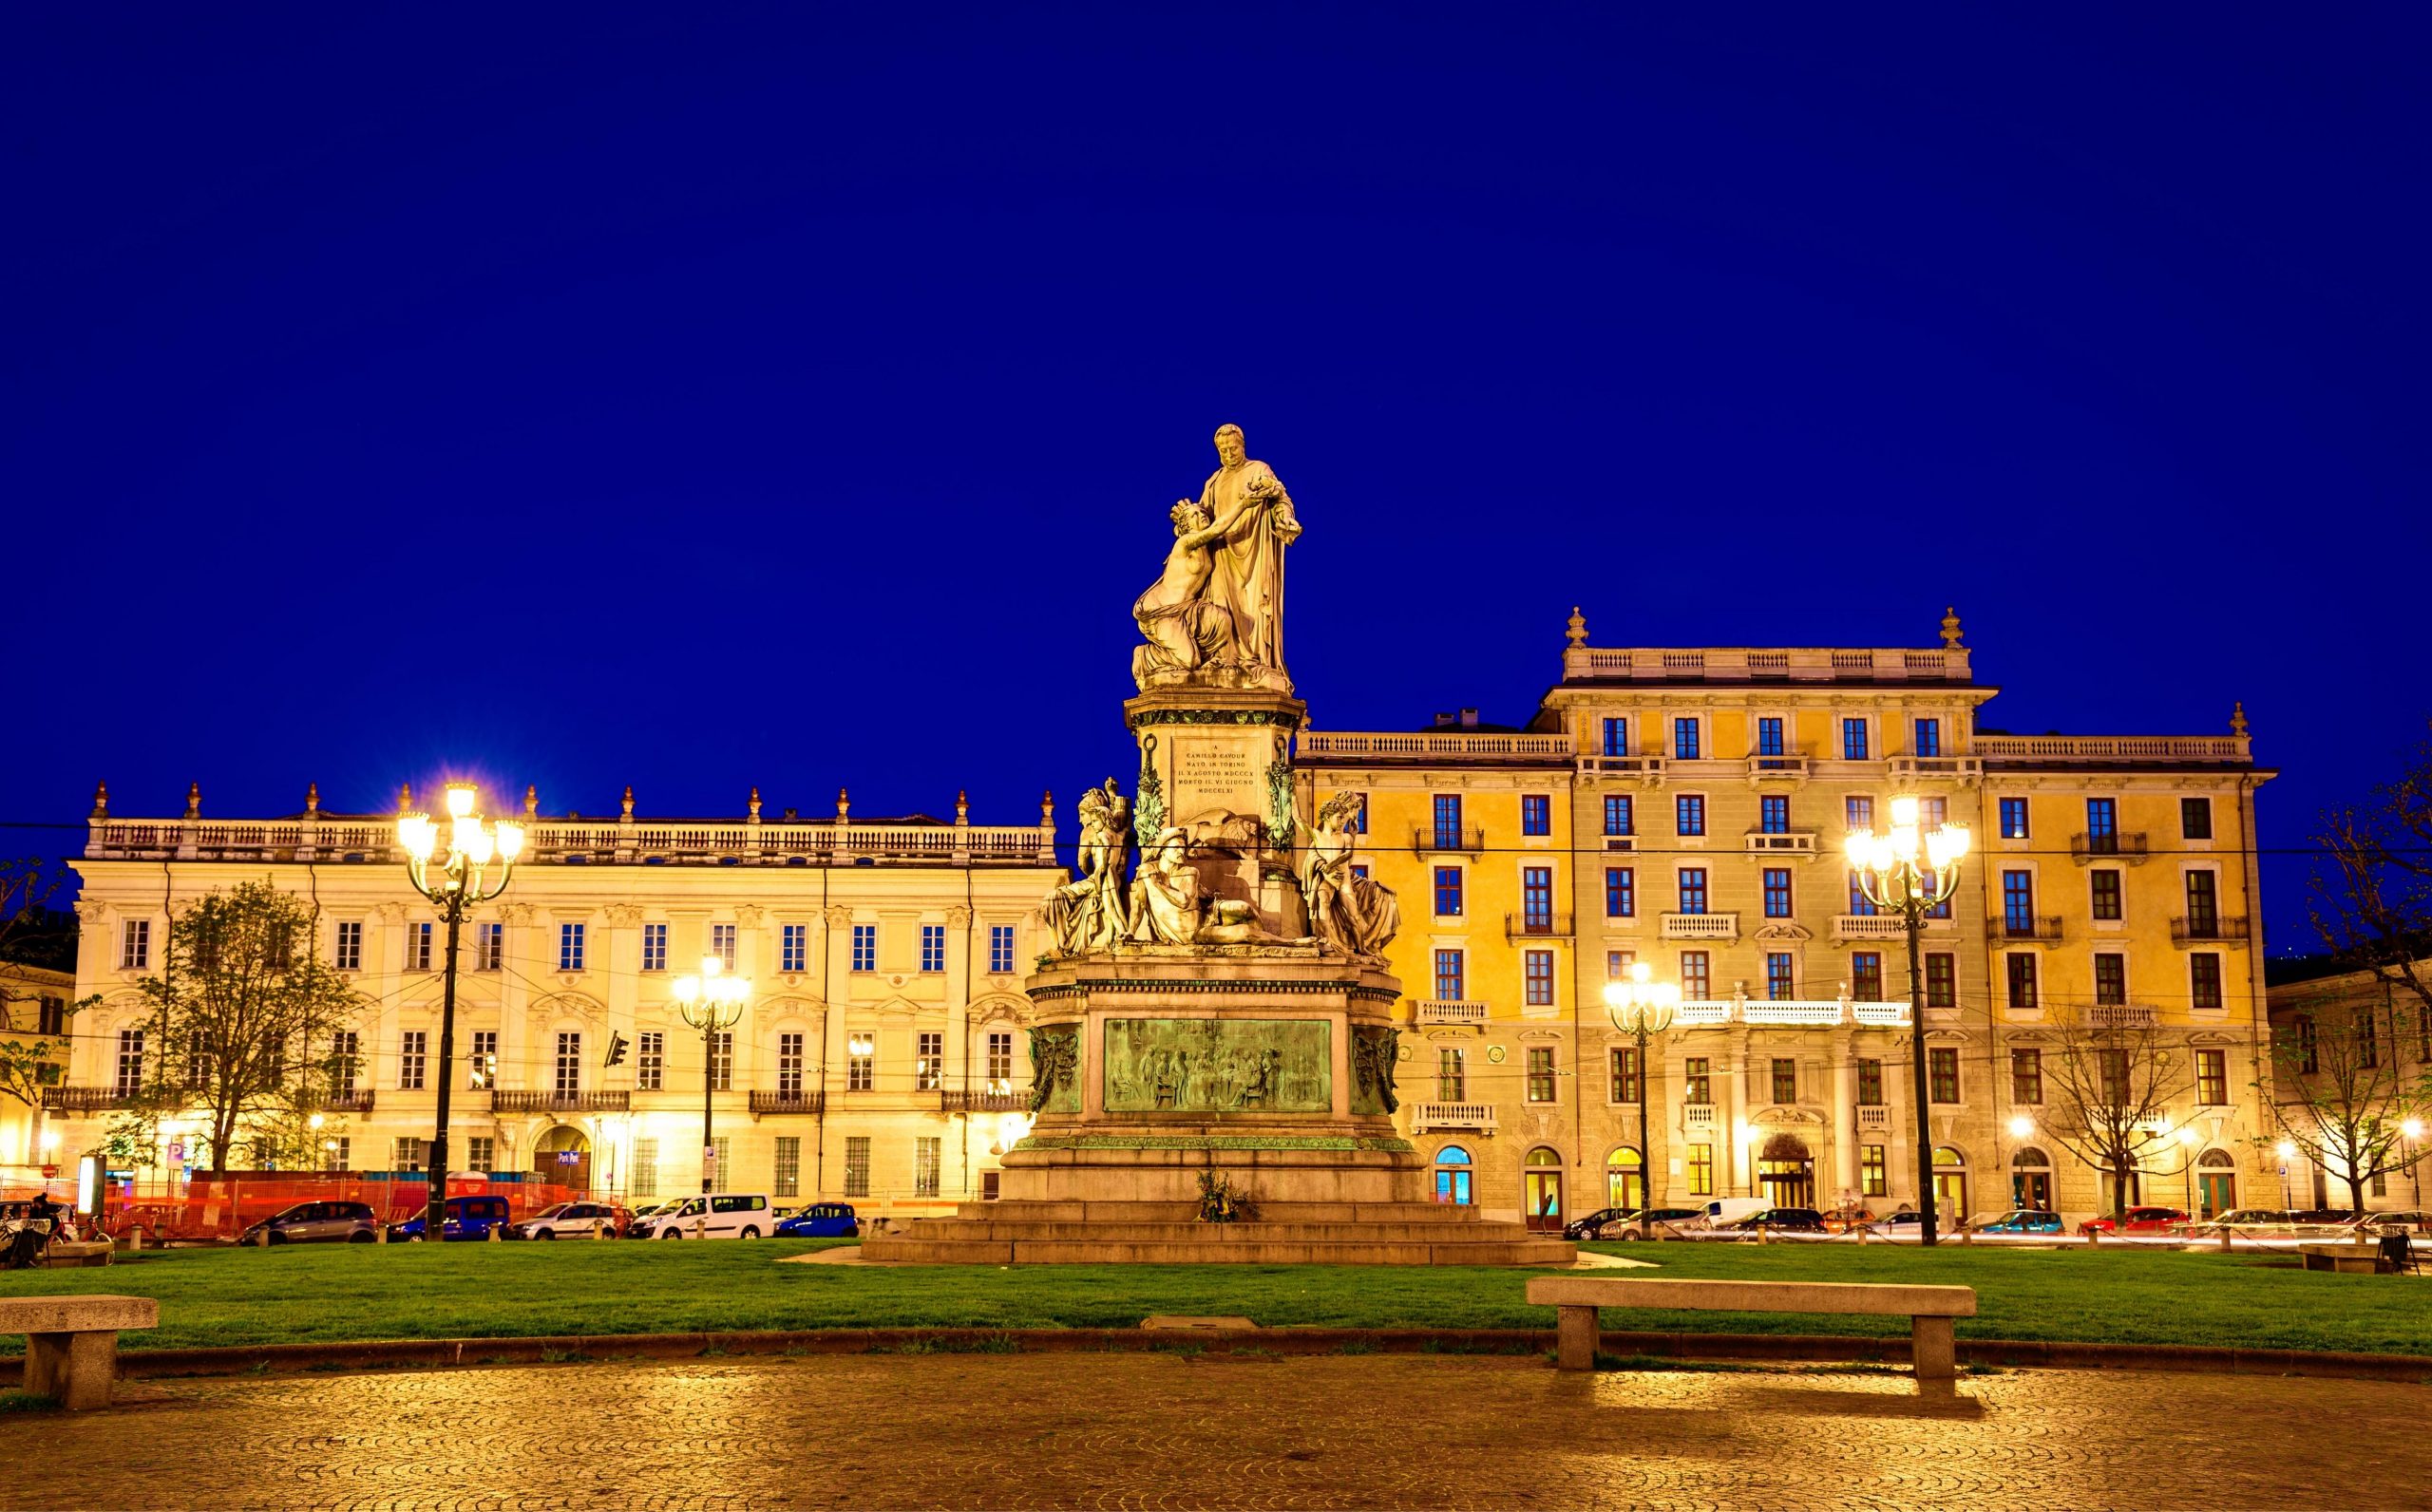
454,889
1911,873
1640,1007
711,1003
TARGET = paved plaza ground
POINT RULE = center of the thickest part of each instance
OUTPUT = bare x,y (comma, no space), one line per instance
1173,1430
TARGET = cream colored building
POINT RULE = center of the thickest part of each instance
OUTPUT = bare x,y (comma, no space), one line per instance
1685,807
33,1010
882,1058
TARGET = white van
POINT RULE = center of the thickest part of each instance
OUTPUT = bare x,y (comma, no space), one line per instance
719,1216
1721,1210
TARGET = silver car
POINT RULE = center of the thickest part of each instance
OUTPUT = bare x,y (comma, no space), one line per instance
316,1224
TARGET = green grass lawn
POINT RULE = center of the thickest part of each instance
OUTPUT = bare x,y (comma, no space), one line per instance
413,1291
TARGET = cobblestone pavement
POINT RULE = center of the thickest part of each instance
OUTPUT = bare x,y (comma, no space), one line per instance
1167,1430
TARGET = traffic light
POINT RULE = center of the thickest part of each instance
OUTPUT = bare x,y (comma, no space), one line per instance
615,1048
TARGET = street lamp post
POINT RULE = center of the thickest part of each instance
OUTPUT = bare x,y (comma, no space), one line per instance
2412,1130
455,888
711,1003
1912,872
1640,1007
2286,1152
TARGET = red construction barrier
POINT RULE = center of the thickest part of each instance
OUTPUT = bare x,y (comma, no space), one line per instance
222,1205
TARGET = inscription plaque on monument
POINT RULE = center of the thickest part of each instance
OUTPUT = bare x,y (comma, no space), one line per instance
1224,770
1219,1066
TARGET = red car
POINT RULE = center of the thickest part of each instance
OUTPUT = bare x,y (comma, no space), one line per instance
2137,1220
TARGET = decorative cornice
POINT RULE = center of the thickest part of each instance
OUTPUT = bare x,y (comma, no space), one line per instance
1216,1142
1146,718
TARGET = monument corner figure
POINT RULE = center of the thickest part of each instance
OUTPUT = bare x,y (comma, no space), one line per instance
1215,615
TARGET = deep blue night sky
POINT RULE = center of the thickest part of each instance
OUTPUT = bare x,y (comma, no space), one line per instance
795,397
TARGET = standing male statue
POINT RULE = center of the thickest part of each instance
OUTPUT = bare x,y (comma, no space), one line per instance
1253,521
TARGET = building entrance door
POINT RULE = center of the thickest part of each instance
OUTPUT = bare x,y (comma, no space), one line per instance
1542,1190
1787,1184
2031,1189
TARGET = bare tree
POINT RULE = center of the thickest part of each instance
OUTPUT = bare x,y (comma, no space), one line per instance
2342,1093
2111,1081
31,933
2372,892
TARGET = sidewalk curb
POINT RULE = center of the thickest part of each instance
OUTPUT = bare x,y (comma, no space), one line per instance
2028,1354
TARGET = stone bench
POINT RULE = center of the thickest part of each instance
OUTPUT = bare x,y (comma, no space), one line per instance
76,1252
1932,1348
2361,1259
71,1342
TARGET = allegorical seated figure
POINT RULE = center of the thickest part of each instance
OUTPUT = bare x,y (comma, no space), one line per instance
1169,909
1184,630
1357,914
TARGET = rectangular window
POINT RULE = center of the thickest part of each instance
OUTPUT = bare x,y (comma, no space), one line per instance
2106,883
489,946
857,1165
1621,893
1696,1081
722,944
654,947
483,1067
1000,948
1536,814
1872,1176
1689,813
1777,901
1446,811
2308,1051
1769,736
566,1067
1000,1058
649,1060
1451,1075
2203,906
1617,965
1870,1083
1617,737
1929,737
2027,1077
2196,818
933,947
1696,979
1942,979
2213,1078
865,947
413,1059
929,1070
129,1071
1942,1073
1684,739
51,1018
2018,903
2021,978
645,1168
570,947
1359,816
198,1061
418,947
1618,816
1865,976
721,1062
789,1064
1773,814
793,947
2111,1068
1541,1073
408,1155
787,1181
1701,1170
2102,827
1693,889
2014,819
722,1162
349,954
1627,1081
1538,968
1449,976
345,1061
1860,906
924,1165
1785,1078
1537,898
2110,979
2423,1033
1781,980
1857,811
861,1064
1853,740
135,945
1448,891
2204,979
481,1153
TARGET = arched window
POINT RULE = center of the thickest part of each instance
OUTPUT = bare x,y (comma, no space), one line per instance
1541,1189
2216,1181
1625,1179
1950,1186
2032,1179
1453,1175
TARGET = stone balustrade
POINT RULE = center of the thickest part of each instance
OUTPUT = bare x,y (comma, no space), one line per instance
1701,926
754,842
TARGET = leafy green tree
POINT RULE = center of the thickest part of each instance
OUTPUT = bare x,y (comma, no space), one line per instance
2343,1092
2111,1077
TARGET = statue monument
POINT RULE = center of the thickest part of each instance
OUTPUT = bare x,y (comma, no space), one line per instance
1213,1043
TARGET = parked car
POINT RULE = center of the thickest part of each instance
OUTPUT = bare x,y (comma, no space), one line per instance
2327,1218
316,1224
464,1217
2414,1225
1842,1220
1592,1227
1719,1211
1902,1220
2250,1224
821,1221
1649,1222
1776,1220
574,1219
2024,1220
719,1216
2137,1220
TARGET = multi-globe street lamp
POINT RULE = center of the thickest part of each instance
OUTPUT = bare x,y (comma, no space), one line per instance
1641,1007
713,1003
2286,1151
2412,1130
459,882
1911,871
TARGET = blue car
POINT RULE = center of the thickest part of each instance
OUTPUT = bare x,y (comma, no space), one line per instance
2022,1220
821,1221
467,1217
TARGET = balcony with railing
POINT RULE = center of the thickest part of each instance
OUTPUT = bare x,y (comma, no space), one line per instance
1477,1118
983,1101
1874,1116
545,1102
1701,926
764,1104
1536,924
2087,849
1886,926
1698,1115
2024,929
2208,928
1447,1010
86,1099
2114,750
357,837
1936,768
1792,1012
1746,664
2122,1015
1780,843
1647,769
1433,745
1448,840
1792,769
353,1100
1789,1012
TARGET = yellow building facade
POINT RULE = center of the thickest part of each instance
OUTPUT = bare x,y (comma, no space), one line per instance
1683,808
33,1013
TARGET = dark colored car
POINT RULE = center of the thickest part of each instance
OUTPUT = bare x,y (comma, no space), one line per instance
467,1217
821,1221
1592,1227
2022,1220
1778,1221
316,1224
1643,1223
2137,1220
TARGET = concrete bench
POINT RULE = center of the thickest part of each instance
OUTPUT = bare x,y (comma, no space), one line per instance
1933,1349
71,1342
2361,1259
80,1253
